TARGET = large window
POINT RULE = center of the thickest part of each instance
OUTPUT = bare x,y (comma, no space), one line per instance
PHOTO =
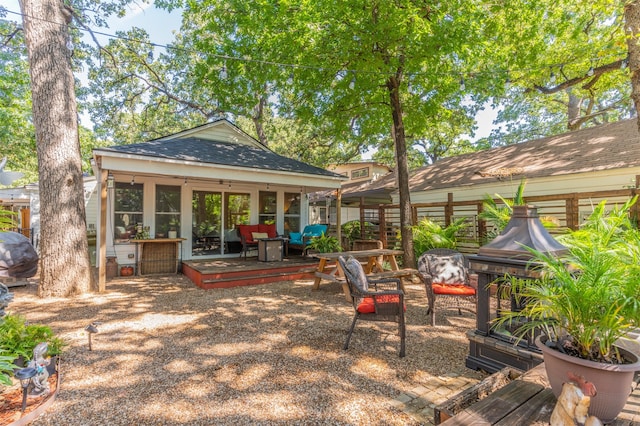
167,211
268,207
291,212
128,210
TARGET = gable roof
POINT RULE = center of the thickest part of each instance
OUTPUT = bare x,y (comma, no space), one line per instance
218,143
608,146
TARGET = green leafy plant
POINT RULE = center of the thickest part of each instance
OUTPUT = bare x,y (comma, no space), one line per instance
6,368
428,235
351,231
500,214
18,338
7,219
589,298
325,244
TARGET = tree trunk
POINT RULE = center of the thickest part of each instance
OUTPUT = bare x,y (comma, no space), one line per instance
65,268
402,169
632,29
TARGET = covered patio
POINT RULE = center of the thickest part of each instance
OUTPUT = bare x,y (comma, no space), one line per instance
183,196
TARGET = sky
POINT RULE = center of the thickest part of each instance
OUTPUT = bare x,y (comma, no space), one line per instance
160,26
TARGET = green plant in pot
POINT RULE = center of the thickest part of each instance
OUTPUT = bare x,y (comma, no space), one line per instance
585,303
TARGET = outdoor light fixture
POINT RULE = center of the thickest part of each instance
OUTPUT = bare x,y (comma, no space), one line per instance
25,375
133,179
185,181
111,181
91,329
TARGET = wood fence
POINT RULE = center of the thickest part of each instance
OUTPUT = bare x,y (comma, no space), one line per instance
567,210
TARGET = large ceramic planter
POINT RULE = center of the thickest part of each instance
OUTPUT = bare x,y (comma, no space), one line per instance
613,382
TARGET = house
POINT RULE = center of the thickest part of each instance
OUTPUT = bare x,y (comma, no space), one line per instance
566,175
602,158
196,186
25,202
360,175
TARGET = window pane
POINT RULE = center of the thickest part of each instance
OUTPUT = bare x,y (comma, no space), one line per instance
167,210
291,212
268,207
128,210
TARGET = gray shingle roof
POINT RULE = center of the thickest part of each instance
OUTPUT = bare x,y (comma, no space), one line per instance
215,152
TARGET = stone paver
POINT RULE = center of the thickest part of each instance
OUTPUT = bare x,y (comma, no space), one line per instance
421,400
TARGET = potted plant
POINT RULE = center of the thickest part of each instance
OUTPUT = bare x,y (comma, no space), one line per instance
585,303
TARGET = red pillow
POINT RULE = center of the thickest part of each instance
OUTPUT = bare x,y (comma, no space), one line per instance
246,230
269,229
367,306
453,289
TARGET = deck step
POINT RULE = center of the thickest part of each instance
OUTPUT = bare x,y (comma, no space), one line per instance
253,279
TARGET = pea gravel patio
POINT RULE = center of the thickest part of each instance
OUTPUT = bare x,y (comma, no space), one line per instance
170,353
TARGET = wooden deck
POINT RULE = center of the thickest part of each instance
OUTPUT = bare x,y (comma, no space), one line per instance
233,272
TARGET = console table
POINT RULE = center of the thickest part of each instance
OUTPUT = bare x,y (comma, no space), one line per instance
157,256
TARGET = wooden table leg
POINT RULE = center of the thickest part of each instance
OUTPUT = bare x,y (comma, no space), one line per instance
321,265
392,261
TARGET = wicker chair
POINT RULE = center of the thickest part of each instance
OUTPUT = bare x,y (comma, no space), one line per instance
374,300
445,273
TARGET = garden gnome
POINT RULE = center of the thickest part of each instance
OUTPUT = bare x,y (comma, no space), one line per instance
573,403
39,362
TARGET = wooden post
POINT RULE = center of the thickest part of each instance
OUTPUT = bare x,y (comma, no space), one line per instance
362,227
101,259
339,214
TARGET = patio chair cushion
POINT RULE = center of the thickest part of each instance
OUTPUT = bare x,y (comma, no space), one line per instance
360,278
447,269
270,229
453,289
246,231
259,235
367,306
295,238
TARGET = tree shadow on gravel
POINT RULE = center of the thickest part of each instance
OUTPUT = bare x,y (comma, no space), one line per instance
168,352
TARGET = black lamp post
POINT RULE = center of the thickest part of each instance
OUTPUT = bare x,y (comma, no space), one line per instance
25,375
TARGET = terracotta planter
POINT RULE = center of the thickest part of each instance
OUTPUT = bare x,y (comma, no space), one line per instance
613,382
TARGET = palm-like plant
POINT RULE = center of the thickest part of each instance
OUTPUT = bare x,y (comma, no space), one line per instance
428,235
589,298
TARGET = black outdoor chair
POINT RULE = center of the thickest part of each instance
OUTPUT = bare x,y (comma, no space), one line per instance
374,300
445,273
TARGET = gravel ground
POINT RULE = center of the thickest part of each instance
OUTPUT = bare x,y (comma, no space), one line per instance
170,353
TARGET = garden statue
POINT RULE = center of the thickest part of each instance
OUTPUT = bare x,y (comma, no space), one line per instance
18,258
5,298
39,362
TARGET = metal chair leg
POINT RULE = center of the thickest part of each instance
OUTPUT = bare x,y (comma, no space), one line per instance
353,325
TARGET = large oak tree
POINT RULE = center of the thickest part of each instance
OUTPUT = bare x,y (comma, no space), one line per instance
65,267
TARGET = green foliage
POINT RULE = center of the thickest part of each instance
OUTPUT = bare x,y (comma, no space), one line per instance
428,235
500,214
591,295
7,219
351,231
19,338
6,368
325,244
